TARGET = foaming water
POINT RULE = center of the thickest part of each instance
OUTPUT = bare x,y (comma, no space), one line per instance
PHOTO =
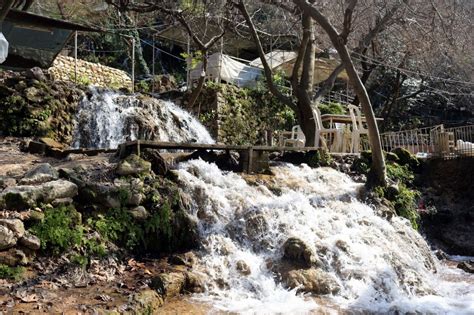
107,118
379,266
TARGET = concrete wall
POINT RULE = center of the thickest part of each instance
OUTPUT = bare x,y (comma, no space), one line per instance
89,73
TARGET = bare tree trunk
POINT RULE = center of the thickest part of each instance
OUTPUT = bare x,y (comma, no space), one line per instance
377,174
305,88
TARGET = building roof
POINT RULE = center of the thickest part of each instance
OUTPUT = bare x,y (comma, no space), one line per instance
36,40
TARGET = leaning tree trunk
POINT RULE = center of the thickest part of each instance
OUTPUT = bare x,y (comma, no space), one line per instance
377,174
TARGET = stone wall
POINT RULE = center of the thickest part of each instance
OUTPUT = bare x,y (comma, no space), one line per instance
89,73
240,116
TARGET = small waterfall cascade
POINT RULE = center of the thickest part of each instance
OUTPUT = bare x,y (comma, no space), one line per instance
107,118
379,266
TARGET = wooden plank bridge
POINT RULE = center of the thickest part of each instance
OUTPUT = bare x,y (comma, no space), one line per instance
253,159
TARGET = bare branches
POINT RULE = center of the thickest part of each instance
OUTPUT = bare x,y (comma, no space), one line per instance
240,5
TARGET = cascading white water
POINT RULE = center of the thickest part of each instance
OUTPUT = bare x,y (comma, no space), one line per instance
380,266
107,118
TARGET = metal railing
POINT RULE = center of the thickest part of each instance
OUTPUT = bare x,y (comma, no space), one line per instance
435,141
421,140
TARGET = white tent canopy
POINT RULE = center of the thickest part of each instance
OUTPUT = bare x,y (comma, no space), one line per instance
225,68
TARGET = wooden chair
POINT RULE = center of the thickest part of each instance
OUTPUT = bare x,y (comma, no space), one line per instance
322,133
358,128
297,138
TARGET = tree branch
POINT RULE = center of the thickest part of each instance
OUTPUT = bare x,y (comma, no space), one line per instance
240,5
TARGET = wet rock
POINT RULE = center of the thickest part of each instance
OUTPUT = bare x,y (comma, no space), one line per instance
35,73
243,268
14,225
133,165
7,182
194,283
13,257
59,189
187,259
30,241
146,301
7,238
169,284
139,213
39,174
297,251
158,164
51,143
256,226
467,266
311,281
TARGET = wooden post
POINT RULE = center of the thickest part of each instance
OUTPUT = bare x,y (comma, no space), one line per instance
75,57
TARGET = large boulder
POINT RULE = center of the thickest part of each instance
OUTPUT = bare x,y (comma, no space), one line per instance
311,280
169,284
20,197
58,189
133,165
30,241
7,238
14,225
39,174
297,251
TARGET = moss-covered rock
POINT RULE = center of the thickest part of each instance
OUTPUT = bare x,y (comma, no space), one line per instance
133,165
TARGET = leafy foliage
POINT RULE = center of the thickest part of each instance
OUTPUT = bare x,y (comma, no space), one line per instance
60,229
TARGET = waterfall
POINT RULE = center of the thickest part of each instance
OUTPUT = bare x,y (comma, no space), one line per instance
107,118
379,266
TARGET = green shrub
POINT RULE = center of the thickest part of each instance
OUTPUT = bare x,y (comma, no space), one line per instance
118,226
11,273
60,230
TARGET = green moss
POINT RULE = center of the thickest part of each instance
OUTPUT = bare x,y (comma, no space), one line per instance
60,230
400,173
405,204
11,273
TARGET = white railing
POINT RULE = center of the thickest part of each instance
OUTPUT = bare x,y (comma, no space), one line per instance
421,140
435,141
